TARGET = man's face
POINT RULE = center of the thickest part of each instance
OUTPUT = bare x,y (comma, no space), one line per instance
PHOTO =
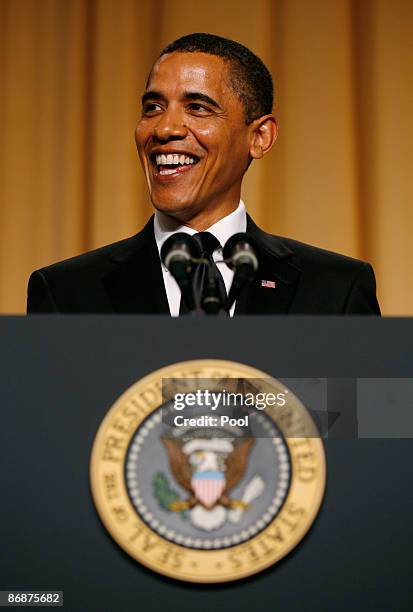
192,139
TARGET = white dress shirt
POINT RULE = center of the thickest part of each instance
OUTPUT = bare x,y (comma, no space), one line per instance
223,229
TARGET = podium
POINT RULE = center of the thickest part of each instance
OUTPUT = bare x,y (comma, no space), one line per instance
61,374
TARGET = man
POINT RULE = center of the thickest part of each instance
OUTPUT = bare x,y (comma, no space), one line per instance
206,115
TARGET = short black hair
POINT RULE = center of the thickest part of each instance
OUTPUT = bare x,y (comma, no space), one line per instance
249,77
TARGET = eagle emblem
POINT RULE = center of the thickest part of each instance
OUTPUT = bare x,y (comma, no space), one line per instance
208,469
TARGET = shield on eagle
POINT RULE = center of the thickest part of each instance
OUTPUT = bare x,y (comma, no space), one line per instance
208,487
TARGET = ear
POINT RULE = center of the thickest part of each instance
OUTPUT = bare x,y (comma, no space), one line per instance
264,132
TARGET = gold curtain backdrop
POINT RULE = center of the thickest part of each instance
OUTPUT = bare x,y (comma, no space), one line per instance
340,175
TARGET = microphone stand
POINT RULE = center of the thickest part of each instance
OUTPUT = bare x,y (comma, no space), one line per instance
209,302
242,277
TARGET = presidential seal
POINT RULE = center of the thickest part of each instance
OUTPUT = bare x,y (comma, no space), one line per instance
208,471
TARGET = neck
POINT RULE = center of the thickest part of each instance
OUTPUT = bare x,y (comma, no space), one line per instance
204,219
200,223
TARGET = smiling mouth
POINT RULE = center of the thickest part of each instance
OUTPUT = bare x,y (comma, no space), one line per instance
173,164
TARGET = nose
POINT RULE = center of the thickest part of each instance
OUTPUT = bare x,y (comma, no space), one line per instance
170,126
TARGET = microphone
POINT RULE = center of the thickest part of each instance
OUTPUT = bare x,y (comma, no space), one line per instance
212,302
177,253
240,254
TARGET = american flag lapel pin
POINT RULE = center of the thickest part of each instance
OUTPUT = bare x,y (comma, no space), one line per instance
269,284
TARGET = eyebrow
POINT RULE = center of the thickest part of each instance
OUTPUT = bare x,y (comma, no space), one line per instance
197,95
188,95
151,95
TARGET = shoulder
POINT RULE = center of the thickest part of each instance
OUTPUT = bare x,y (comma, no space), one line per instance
309,256
323,268
325,282
304,256
101,260
331,283
81,284
97,260
77,284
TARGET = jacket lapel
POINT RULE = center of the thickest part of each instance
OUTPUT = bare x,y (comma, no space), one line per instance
276,266
136,284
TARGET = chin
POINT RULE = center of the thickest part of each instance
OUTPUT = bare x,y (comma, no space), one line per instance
175,208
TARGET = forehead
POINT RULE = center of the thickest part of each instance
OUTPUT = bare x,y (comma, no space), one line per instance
202,72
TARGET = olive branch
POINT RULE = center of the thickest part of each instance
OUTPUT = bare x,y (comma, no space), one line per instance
164,494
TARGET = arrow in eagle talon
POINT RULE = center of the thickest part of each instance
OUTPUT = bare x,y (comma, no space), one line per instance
253,490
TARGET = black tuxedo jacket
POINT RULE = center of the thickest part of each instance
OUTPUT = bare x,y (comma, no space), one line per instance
126,277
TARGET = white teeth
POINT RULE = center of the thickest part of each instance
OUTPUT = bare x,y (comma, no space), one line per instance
171,171
174,159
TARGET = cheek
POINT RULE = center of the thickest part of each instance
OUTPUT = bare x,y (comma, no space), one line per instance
215,140
142,134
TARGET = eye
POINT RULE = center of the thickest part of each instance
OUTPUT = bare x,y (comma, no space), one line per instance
198,109
150,108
